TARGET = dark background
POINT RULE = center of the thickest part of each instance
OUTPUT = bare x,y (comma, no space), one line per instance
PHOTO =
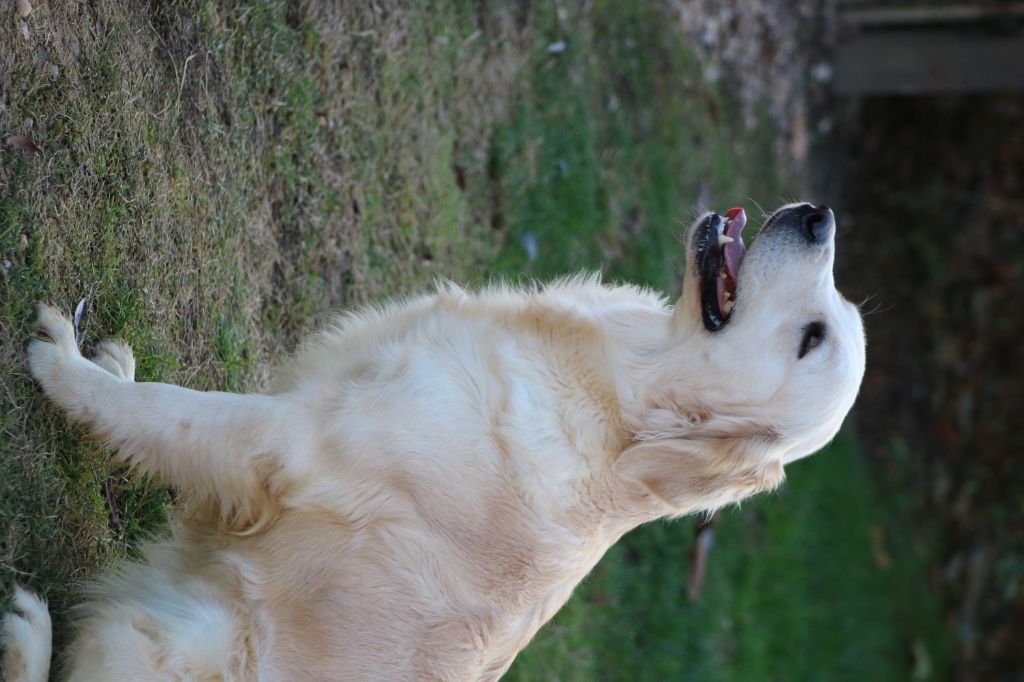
932,186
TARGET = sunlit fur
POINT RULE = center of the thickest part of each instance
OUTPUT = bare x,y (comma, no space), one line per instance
429,480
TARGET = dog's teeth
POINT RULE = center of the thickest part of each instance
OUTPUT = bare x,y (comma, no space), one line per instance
727,307
723,275
727,295
724,239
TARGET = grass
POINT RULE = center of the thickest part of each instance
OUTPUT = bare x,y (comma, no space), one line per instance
216,176
597,177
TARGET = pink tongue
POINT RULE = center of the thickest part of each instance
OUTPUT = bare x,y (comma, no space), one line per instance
734,250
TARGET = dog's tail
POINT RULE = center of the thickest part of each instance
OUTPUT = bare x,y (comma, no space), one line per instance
25,633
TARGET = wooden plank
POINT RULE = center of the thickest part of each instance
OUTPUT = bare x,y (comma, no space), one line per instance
929,62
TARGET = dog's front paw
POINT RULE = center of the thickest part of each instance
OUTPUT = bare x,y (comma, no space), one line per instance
53,347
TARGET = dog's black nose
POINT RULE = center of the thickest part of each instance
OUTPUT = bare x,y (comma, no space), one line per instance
815,222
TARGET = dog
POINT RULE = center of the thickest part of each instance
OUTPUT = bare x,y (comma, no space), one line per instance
429,480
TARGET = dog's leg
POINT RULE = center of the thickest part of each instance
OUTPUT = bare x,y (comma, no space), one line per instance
223,445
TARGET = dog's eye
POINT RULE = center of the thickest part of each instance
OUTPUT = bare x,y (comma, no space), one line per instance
814,334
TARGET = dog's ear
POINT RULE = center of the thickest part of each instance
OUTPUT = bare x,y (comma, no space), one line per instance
684,476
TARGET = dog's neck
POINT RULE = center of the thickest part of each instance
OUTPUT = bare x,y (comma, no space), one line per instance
643,344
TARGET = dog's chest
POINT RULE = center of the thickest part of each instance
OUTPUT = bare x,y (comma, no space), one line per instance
410,598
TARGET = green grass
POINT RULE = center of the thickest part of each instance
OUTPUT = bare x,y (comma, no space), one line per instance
615,145
217,176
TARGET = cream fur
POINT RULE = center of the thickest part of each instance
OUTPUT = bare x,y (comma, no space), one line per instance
429,480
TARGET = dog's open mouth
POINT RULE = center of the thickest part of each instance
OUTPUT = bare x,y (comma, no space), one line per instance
719,253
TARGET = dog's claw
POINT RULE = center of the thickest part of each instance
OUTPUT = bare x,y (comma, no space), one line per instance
76,320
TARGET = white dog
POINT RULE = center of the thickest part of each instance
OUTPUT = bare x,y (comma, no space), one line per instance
430,480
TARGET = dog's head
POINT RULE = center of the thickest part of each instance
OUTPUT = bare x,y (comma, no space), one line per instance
765,359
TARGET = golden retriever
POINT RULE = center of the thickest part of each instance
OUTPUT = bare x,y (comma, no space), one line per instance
428,481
